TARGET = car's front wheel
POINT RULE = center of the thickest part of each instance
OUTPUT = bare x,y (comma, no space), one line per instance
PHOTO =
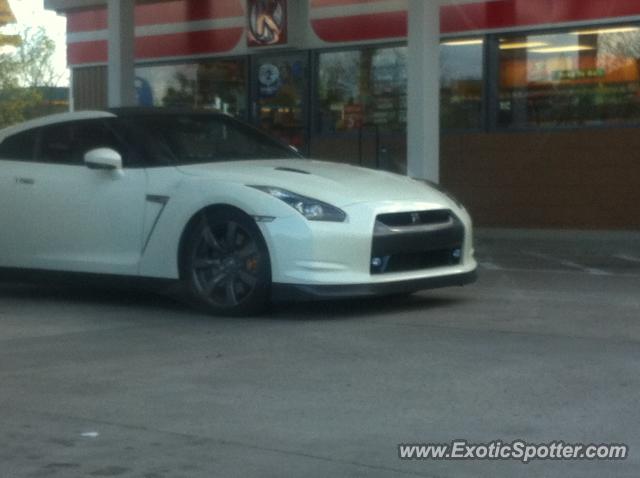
226,264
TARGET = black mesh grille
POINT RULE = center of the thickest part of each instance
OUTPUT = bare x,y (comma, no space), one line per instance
417,218
415,261
410,241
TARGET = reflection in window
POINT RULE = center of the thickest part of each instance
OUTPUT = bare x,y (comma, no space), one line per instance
588,76
281,89
217,85
20,147
363,87
339,91
461,93
362,108
67,143
204,138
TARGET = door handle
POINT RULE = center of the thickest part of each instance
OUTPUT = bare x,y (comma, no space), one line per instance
26,181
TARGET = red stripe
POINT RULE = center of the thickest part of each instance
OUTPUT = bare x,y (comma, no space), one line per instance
519,13
192,43
181,11
340,3
87,20
373,26
159,46
455,18
87,52
177,11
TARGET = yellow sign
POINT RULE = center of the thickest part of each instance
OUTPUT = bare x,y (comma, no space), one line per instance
6,15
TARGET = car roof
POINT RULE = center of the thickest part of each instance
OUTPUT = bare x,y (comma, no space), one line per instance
125,112
53,119
132,111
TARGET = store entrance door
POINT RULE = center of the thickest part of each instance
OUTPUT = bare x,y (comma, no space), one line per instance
280,92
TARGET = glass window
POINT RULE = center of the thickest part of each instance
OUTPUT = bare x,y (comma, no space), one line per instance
339,91
363,87
20,147
282,85
586,76
68,143
387,105
219,85
205,138
57,145
361,115
461,62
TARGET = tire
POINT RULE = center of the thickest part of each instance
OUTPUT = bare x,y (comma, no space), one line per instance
226,264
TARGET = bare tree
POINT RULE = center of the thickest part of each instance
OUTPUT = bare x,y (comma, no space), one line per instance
33,59
618,49
25,69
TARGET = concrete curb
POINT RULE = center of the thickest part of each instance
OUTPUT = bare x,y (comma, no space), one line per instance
561,235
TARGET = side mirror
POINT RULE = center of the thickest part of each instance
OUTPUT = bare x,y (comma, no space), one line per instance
103,158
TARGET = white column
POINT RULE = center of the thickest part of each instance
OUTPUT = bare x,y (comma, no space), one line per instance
423,95
121,89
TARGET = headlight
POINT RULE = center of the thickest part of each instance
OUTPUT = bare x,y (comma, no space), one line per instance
312,209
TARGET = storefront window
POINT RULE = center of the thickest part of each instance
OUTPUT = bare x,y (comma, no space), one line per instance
363,88
362,107
281,92
219,85
339,92
587,76
461,92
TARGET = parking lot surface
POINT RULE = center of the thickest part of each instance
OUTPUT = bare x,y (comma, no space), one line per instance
101,381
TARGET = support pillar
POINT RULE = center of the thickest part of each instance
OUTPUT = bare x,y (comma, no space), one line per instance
423,95
121,85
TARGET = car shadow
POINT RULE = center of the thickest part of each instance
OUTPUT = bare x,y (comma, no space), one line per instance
105,294
170,303
362,307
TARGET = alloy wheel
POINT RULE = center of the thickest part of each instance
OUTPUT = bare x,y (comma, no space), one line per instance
225,264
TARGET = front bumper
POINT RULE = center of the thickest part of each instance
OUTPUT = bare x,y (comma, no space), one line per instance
319,257
303,292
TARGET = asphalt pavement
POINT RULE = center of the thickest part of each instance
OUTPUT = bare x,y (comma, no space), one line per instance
104,381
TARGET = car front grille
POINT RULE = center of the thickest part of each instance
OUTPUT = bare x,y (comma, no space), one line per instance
410,241
399,219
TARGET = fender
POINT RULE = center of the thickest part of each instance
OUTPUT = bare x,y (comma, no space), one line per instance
181,200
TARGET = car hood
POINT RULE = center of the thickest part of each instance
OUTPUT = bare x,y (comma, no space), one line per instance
335,183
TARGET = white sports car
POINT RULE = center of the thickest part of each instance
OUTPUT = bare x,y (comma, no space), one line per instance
236,216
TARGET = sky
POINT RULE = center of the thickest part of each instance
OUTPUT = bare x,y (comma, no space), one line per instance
32,13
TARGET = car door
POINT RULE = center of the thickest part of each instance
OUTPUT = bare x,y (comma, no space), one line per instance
75,218
16,154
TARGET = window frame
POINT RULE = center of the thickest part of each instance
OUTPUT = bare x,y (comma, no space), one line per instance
493,76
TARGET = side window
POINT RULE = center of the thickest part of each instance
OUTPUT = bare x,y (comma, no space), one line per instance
19,147
237,142
56,144
95,134
68,143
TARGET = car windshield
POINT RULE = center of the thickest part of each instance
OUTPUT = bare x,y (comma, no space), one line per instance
206,138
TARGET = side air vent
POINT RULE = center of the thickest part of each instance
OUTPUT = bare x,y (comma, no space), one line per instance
293,170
